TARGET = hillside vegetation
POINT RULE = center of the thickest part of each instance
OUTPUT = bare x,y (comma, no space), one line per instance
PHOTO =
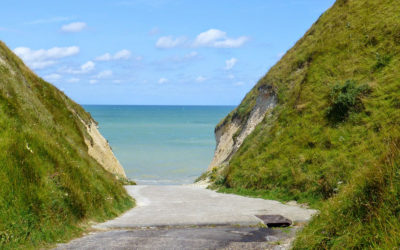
333,140
49,184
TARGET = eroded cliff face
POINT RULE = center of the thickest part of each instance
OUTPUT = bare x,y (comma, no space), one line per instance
230,135
100,150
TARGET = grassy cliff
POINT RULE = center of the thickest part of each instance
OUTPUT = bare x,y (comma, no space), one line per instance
334,138
49,184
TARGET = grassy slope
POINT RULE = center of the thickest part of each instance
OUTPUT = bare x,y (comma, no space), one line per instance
350,167
49,184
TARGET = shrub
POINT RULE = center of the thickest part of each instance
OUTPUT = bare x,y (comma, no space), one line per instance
382,61
344,99
220,180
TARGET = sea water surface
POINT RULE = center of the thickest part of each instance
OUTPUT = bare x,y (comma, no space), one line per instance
160,144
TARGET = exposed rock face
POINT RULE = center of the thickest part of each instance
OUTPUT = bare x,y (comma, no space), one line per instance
98,147
2,61
100,150
231,135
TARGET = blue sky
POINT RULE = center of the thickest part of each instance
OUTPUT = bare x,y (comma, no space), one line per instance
163,52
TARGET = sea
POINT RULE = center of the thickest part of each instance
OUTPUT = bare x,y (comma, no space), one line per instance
160,145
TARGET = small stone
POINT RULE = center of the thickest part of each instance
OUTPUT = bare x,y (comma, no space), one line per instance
271,238
292,203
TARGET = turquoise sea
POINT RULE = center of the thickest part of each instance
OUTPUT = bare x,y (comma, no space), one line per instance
160,144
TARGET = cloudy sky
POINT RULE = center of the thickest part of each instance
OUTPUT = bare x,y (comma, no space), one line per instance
155,51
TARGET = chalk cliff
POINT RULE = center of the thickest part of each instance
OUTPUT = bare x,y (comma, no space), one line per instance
231,133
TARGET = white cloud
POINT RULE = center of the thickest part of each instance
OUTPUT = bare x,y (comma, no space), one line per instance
41,64
175,61
239,83
52,77
105,57
218,39
42,54
74,27
280,55
167,42
104,74
162,80
120,55
83,69
42,58
229,64
208,37
154,31
73,80
50,20
87,67
123,54
200,79
231,76
191,55
101,75
231,43
184,58
211,38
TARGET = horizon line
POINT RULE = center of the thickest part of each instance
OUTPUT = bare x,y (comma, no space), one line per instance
205,105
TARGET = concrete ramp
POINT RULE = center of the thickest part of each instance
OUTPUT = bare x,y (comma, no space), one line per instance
188,205
191,217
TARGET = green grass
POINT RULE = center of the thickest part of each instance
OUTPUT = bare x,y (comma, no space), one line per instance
303,154
365,214
49,185
274,194
345,99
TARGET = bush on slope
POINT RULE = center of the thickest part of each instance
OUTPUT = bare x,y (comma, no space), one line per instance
299,153
49,184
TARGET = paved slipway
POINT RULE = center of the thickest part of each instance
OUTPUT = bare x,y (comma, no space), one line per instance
192,217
